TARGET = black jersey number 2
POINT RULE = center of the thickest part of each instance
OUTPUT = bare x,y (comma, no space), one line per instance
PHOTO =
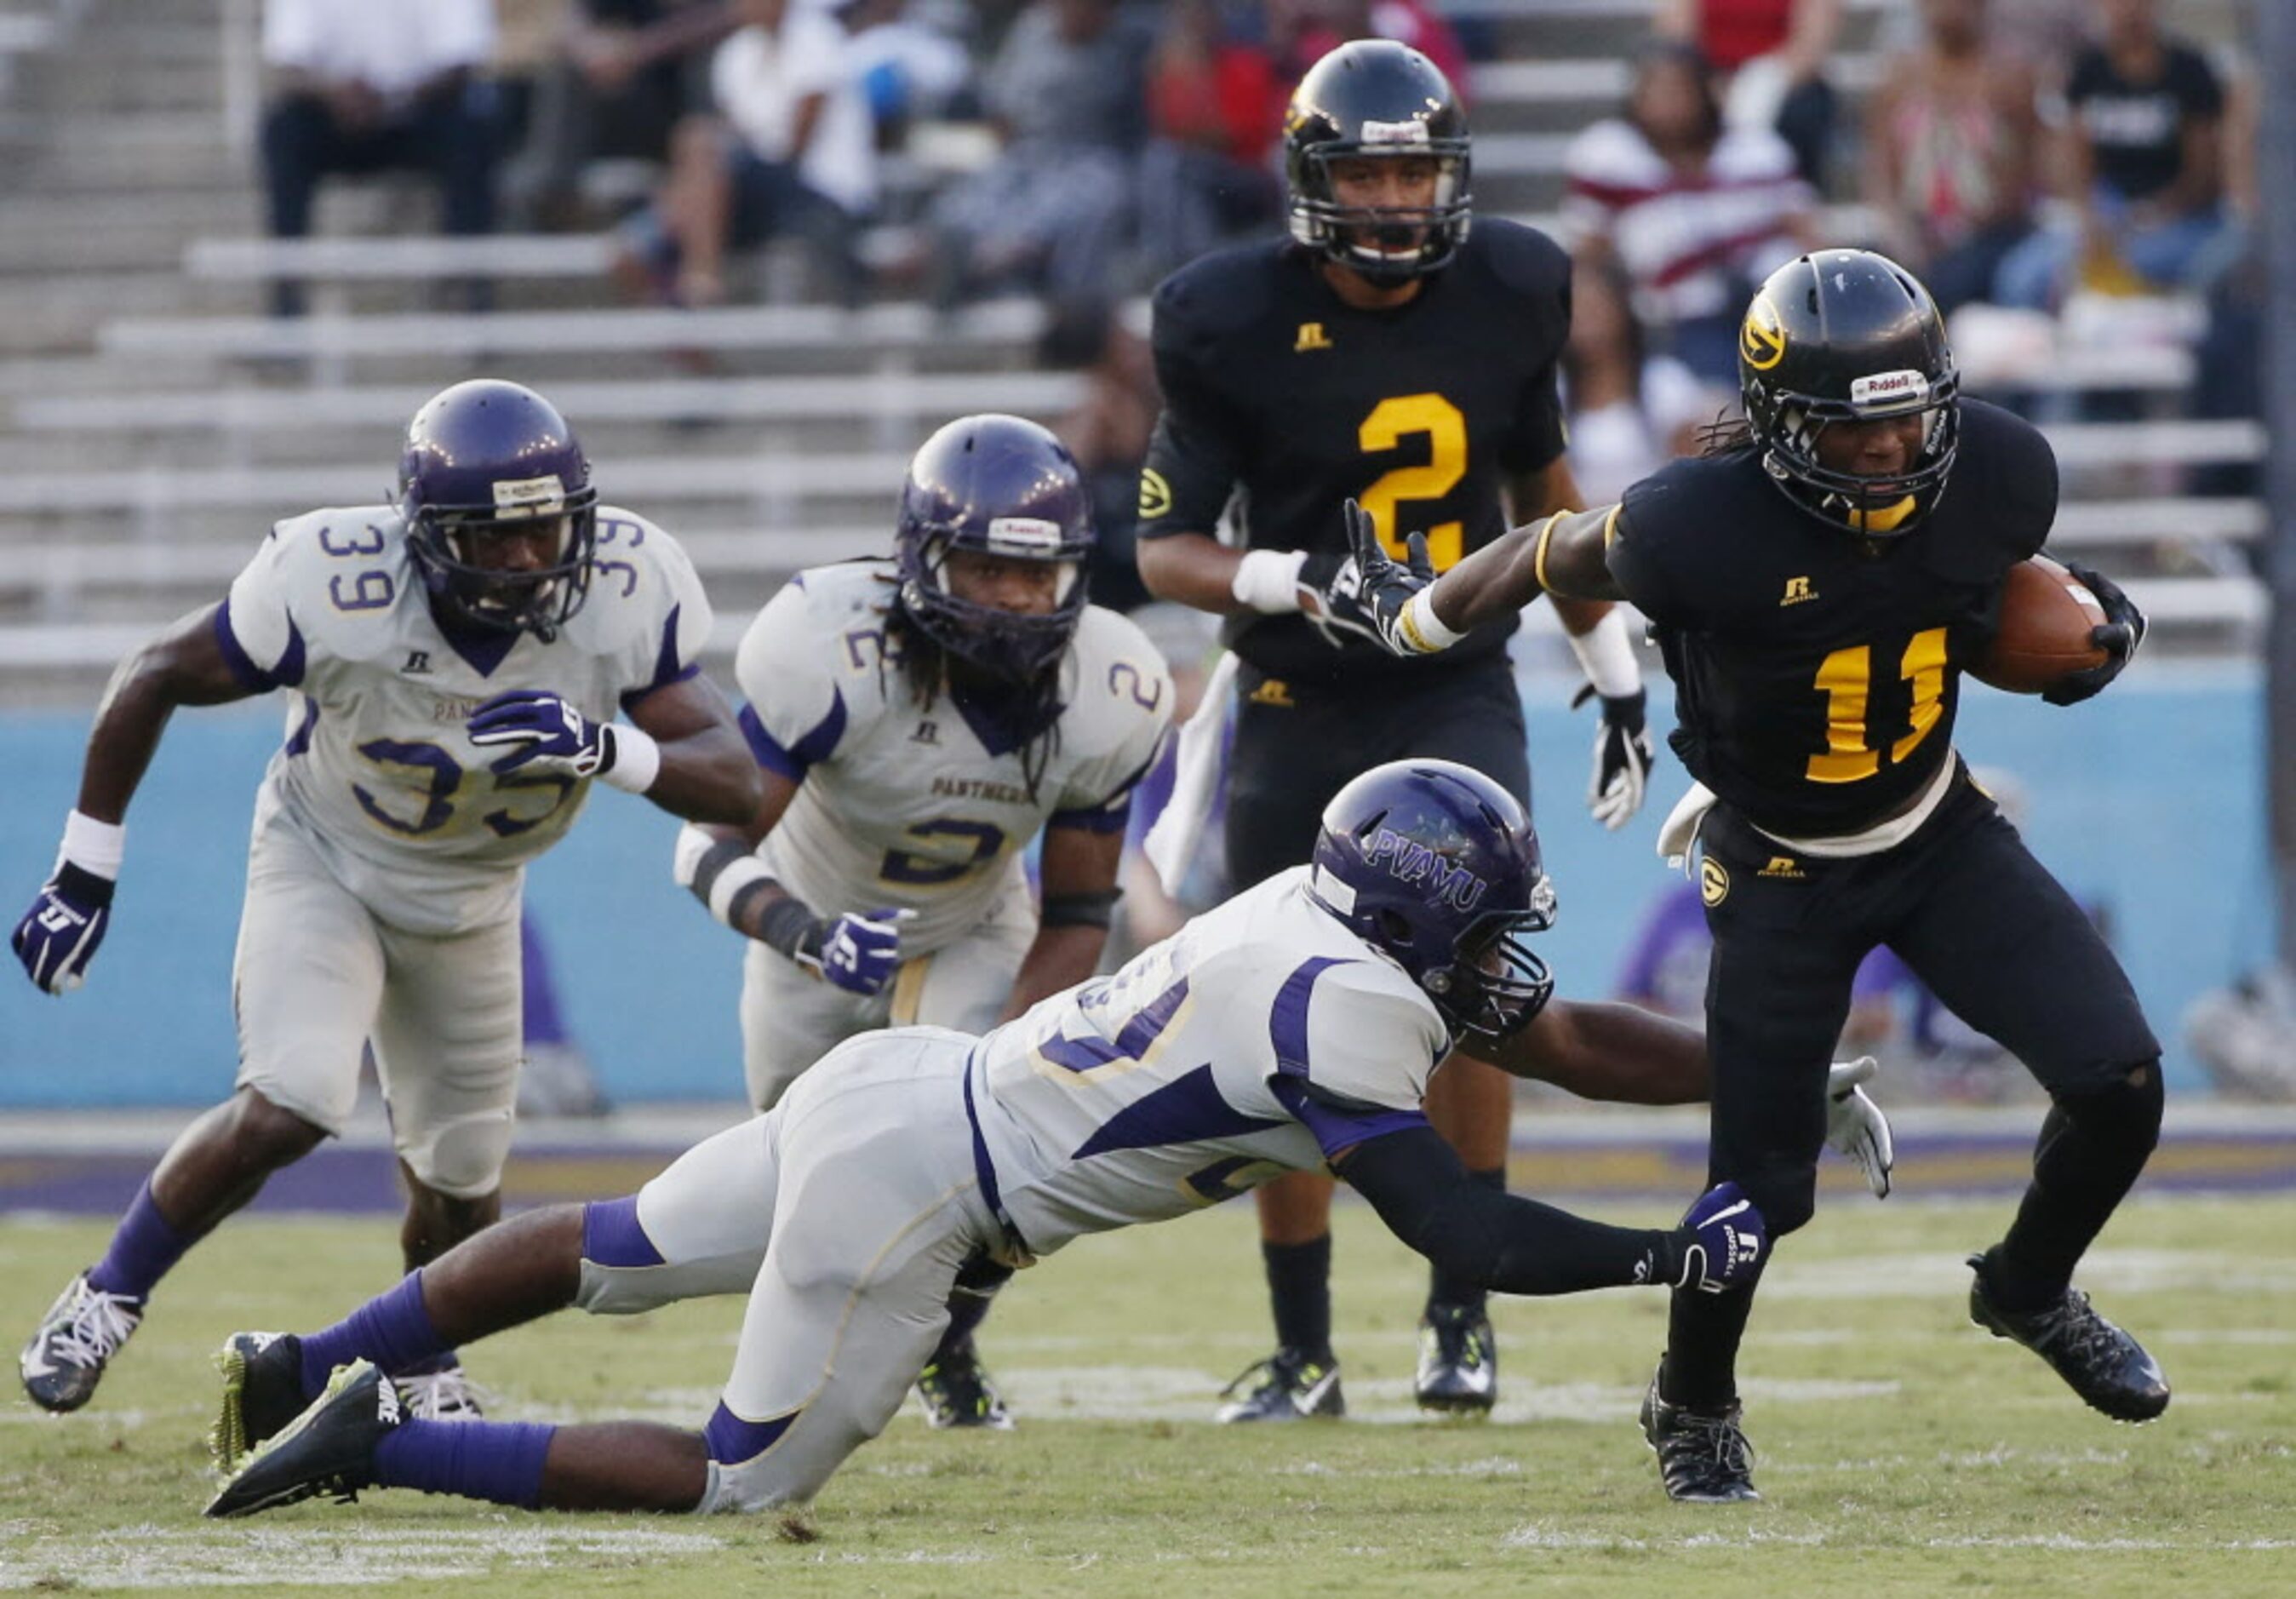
1845,679
1390,423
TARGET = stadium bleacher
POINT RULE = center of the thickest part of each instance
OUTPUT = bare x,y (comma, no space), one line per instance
157,421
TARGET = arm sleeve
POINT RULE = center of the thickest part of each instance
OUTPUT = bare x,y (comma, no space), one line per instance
256,625
1353,1053
1136,691
1195,456
1421,1190
672,649
795,715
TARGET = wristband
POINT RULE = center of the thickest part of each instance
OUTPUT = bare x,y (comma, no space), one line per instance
1606,653
1422,628
97,848
727,884
790,926
632,759
1269,580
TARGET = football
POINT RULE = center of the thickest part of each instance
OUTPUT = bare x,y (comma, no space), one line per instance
2046,615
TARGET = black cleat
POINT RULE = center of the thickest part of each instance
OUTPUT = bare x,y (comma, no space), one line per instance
1458,1361
262,1392
2104,1365
1291,1387
958,1391
64,1358
1703,1457
328,1449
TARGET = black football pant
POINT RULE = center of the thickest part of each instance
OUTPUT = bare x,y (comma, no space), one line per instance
1298,744
1978,919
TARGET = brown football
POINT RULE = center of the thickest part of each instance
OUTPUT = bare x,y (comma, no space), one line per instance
2046,614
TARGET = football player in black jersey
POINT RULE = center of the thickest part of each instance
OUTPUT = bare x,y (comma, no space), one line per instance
1384,352
1819,583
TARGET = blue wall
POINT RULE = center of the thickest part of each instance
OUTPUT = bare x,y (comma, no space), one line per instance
2148,800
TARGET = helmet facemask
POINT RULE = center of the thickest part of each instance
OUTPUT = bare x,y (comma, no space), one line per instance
1014,646
1382,245
449,544
1790,425
1496,983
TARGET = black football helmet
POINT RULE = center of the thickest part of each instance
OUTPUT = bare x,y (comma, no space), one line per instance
1437,865
482,457
1374,97
998,486
1847,335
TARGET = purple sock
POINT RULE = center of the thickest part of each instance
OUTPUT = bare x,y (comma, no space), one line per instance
393,1330
144,1249
501,1461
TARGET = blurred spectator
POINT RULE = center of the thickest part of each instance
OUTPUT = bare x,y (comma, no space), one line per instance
1950,132
789,153
1629,412
2141,142
1770,59
1215,105
623,74
1108,433
1694,213
359,87
907,70
1066,93
1314,28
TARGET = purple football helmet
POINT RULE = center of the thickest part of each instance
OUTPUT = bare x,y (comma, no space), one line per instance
1437,865
484,458
996,486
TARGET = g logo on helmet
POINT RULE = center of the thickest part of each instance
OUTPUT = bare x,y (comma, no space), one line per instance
1762,337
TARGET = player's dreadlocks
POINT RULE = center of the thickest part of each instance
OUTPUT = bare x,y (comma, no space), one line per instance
925,666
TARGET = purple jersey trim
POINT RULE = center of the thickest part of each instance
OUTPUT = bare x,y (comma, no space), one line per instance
612,1236
1287,1024
251,677
1334,1128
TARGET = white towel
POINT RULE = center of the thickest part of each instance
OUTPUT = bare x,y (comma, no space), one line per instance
1171,845
1680,829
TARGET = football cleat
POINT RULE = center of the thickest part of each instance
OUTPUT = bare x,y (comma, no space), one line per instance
1703,1457
262,1392
2104,1365
82,1331
444,1395
328,1449
958,1391
1458,1361
1290,1388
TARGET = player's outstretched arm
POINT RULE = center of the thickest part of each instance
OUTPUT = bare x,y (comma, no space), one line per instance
186,665
1078,873
1417,1183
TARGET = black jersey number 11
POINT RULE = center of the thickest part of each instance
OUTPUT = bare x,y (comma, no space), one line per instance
1389,424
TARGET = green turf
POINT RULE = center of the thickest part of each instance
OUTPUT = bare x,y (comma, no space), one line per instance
1902,1451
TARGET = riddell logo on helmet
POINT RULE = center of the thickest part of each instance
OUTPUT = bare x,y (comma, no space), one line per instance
533,496
1890,389
1413,132
1407,860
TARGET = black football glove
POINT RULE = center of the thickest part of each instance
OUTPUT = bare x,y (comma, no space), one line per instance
1623,754
1365,592
2119,636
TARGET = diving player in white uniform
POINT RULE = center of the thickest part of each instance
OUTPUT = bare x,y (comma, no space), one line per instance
919,720
1294,1028
457,662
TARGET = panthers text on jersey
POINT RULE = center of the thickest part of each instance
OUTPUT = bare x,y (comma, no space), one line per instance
1279,392
1262,1038
377,767
928,809
1816,673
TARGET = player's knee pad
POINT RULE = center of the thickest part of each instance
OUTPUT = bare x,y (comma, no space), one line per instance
461,1159
1786,1195
2122,1111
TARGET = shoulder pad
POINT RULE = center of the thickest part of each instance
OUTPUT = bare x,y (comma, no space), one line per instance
2002,500
1218,293
1521,257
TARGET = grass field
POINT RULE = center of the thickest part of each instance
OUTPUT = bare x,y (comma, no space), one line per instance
1902,1451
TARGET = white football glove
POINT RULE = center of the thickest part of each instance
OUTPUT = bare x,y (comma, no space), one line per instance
1855,1127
